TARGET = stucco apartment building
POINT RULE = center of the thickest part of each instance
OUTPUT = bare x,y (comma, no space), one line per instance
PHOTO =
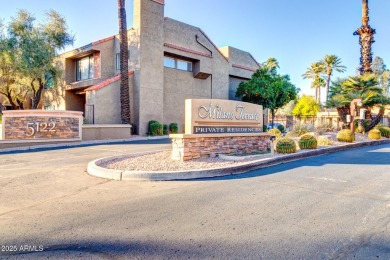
169,61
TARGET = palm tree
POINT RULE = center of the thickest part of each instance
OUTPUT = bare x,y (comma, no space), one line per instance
124,64
366,39
330,63
314,72
364,87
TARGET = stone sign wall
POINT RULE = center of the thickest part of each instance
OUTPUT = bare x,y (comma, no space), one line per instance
41,125
216,116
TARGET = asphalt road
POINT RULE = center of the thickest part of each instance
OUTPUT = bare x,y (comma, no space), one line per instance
335,206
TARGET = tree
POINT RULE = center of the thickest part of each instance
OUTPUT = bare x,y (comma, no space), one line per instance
306,106
36,47
330,63
314,72
124,64
380,70
364,87
267,88
366,39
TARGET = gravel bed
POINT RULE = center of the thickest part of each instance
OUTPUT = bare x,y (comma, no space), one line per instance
161,161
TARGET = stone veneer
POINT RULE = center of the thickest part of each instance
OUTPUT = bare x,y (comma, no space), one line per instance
187,147
46,125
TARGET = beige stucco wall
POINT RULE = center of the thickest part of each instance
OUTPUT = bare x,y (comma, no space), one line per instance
178,86
149,77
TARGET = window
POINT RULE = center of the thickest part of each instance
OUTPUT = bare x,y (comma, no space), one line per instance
118,61
85,68
174,63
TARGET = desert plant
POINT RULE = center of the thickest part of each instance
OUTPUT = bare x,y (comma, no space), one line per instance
155,128
307,142
301,129
384,130
276,132
173,128
165,129
324,140
374,134
286,145
345,135
324,127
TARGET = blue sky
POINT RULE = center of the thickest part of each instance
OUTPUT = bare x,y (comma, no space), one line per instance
295,32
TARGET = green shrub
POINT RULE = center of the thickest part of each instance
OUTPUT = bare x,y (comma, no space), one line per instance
359,129
264,128
385,131
165,129
324,140
281,128
173,128
374,134
1,118
155,128
286,145
276,132
345,135
307,142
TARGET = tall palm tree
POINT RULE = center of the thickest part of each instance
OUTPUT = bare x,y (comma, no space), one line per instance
330,63
366,39
124,64
314,72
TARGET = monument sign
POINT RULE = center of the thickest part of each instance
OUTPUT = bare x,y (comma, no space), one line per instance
216,126
41,125
217,116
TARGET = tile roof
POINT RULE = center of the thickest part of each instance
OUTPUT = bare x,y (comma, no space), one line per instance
186,50
243,67
107,82
159,1
103,40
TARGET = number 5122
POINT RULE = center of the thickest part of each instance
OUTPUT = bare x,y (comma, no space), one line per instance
40,128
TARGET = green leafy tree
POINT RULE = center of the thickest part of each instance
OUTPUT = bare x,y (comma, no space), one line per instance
306,106
267,88
331,63
314,72
124,64
366,87
36,47
380,70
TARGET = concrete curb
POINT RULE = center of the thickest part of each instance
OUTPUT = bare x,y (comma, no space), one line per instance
95,170
77,144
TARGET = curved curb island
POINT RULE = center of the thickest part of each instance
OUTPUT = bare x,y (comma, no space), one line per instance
95,170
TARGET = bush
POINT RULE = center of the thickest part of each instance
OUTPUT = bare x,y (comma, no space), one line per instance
173,128
324,127
374,134
301,129
155,128
366,123
307,142
384,130
275,132
324,140
1,118
345,135
286,145
165,129
281,128
264,128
